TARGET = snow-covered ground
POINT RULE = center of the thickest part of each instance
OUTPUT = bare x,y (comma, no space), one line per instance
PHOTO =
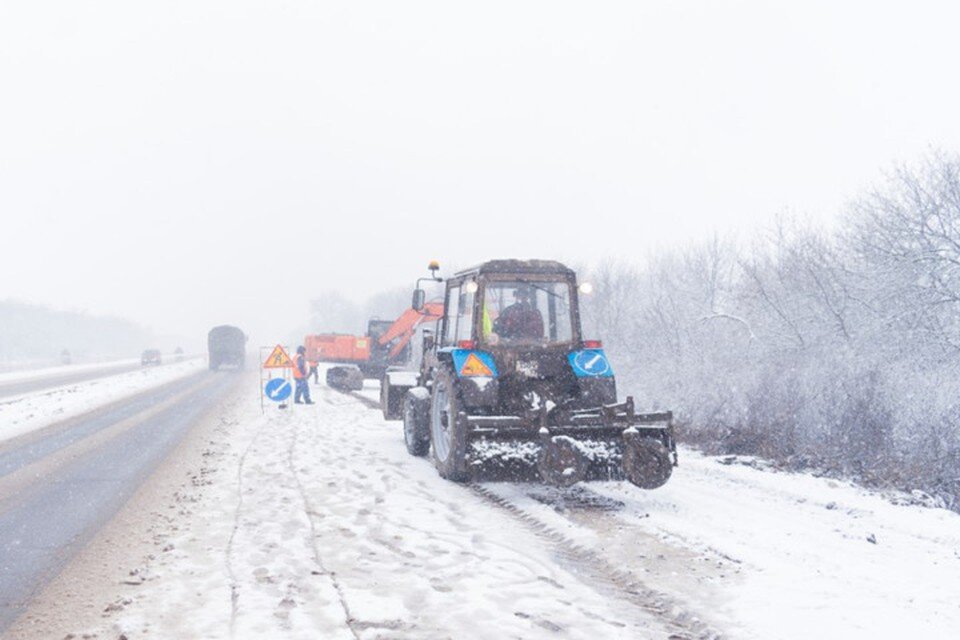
32,411
54,371
315,522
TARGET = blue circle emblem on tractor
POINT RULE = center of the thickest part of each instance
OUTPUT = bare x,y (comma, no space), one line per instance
590,363
278,389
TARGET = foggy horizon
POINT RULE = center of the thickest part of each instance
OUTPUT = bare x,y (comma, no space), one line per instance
194,164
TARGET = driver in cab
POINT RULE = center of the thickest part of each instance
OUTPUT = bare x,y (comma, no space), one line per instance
521,321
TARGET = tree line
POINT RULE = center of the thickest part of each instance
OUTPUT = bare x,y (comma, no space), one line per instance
35,334
829,349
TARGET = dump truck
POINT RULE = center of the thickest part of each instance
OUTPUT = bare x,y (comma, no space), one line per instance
387,344
509,386
227,346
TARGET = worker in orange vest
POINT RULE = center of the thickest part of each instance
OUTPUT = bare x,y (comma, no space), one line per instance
300,373
313,370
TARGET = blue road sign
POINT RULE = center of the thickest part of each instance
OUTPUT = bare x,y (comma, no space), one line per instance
590,363
278,389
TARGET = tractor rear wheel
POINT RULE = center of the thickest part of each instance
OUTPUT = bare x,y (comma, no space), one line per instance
448,431
416,421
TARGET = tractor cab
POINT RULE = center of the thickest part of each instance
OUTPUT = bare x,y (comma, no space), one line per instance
524,316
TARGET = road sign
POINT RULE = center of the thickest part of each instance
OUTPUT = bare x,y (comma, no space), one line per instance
474,366
590,363
278,359
474,363
278,389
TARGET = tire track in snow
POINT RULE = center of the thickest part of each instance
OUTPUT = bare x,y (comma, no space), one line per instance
228,553
309,513
606,577
453,548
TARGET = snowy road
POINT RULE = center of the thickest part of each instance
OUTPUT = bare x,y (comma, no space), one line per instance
60,484
314,522
19,383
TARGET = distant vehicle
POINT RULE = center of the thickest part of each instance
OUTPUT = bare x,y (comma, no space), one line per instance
151,357
178,354
227,345
65,357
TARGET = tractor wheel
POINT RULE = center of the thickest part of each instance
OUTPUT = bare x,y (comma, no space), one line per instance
416,422
646,462
561,463
448,433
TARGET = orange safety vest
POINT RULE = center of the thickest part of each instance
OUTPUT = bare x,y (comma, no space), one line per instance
297,361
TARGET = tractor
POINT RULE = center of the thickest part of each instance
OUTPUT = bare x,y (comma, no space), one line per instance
507,384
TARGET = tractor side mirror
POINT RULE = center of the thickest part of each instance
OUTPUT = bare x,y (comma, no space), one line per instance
419,297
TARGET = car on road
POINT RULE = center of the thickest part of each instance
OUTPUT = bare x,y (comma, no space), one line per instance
150,357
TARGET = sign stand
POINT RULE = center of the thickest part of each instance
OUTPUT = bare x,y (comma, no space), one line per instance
274,386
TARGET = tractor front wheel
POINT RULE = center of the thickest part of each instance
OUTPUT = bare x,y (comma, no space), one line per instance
416,421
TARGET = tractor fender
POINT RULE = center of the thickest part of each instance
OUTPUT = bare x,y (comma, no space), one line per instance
476,391
595,377
595,392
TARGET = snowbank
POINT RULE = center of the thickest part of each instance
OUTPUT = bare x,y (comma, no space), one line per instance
37,410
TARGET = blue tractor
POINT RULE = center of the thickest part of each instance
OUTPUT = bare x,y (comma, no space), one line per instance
508,388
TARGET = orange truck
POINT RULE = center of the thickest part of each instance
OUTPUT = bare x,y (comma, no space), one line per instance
386,344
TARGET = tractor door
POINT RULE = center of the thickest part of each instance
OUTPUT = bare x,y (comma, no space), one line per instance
458,315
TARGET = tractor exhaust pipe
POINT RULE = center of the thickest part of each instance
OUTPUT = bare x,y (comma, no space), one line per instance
646,461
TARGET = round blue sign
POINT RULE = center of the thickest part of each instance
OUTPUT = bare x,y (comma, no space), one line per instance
278,389
591,362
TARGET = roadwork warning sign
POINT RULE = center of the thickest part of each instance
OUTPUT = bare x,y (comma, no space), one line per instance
278,359
474,366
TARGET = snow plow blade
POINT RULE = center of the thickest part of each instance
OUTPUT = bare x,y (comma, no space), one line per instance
611,442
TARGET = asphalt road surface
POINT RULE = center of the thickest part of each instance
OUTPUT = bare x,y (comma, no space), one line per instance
60,485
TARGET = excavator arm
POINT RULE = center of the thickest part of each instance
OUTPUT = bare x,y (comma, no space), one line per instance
402,330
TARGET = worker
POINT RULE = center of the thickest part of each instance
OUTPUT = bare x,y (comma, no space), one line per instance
487,322
313,362
300,373
521,320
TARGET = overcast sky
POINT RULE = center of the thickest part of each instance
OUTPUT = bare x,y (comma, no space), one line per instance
189,163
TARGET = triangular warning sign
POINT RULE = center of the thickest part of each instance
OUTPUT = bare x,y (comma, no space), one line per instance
278,359
474,366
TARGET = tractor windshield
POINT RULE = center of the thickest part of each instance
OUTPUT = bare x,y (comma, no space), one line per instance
517,312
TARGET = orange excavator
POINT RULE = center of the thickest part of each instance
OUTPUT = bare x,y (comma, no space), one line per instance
386,344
